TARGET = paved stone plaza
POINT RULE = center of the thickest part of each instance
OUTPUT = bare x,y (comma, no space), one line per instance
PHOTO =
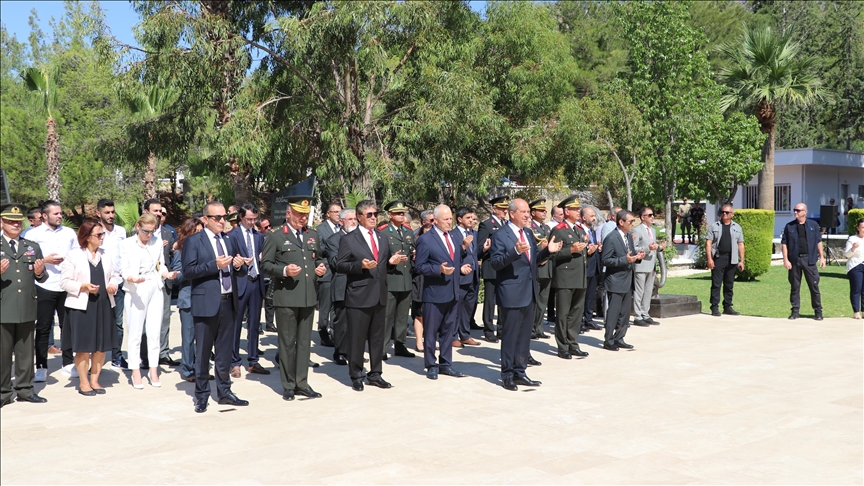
700,400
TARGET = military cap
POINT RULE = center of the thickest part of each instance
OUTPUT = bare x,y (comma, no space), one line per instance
539,204
396,207
502,202
570,202
233,218
300,203
13,212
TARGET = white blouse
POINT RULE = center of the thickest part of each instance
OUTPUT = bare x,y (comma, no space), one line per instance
137,260
856,257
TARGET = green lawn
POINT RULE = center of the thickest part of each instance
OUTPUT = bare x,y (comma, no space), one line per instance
768,296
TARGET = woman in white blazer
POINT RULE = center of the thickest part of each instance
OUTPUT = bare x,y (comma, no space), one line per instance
90,281
142,266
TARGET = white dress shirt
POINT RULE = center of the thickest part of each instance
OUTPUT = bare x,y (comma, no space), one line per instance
856,257
138,260
59,241
211,237
249,239
111,243
445,240
365,232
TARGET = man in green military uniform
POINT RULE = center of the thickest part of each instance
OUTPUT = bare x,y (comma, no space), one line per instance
544,269
293,260
21,266
569,279
401,242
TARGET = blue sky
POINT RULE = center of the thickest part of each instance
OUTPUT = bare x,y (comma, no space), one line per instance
119,15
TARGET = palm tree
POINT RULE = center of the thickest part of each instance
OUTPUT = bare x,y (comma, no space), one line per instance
44,82
767,69
150,105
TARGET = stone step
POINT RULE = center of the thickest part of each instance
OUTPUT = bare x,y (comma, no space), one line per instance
670,305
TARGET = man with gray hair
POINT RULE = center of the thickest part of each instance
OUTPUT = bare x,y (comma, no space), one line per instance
329,250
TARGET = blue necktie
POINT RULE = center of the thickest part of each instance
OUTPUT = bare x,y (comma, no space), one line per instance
253,271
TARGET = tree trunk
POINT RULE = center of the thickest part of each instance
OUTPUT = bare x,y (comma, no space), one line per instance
766,175
667,211
611,202
150,177
240,181
52,162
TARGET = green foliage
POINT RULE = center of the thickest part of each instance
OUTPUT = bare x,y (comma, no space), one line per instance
43,82
855,215
758,228
126,214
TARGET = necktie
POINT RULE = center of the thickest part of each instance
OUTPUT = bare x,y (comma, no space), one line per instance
522,237
224,272
253,272
338,227
449,246
299,237
12,244
374,245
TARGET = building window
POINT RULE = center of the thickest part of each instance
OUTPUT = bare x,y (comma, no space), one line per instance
751,196
861,193
783,198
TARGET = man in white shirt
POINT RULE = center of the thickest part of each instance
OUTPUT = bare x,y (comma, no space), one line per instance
114,235
56,241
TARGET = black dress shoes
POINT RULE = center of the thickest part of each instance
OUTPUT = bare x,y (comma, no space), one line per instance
288,395
451,372
6,402
32,398
308,392
312,364
201,406
622,344
731,312
543,335
565,355
357,385
508,384
579,353
596,326
653,322
385,357
610,347
491,339
257,368
232,399
533,362
340,360
819,316
325,338
432,373
401,350
378,381
524,380
715,312
168,362
640,323
270,328
794,316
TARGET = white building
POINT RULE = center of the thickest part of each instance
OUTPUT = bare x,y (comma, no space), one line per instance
812,176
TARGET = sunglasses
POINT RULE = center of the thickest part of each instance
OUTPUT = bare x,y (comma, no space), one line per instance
371,214
631,221
398,213
217,217
798,210
146,232
725,212
99,235
650,215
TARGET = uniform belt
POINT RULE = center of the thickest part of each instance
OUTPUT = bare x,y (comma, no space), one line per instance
253,279
227,296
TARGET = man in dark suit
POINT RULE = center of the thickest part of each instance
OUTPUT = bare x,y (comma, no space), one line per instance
293,260
570,280
618,256
484,243
329,251
400,239
544,270
208,264
363,256
326,229
515,256
469,283
21,266
250,290
592,268
439,260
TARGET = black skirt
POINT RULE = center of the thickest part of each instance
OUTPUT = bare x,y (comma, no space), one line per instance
93,329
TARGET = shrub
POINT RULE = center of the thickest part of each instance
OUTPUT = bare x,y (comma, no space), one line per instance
855,215
758,227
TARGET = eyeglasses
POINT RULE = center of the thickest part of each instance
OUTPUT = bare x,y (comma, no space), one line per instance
371,214
146,232
725,212
799,210
650,215
398,213
333,211
631,221
217,217
100,235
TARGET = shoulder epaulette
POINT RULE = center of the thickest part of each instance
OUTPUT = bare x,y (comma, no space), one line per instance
561,225
382,226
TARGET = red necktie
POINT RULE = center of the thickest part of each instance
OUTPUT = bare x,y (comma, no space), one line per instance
522,237
374,245
449,246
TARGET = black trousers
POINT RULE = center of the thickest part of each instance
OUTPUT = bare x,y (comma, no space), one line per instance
396,317
686,229
210,332
119,304
16,339
516,339
540,305
325,307
365,325
550,307
49,302
618,315
722,274
591,298
340,329
294,327
467,302
811,274
489,329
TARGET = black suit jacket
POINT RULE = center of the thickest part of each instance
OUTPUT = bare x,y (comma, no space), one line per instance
364,287
324,233
516,277
238,235
199,267
329,251
486,229
619,272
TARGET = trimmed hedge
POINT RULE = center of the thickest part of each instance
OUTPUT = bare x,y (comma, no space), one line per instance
855,215
758,227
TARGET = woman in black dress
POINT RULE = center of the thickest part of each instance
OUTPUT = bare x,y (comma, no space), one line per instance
90,282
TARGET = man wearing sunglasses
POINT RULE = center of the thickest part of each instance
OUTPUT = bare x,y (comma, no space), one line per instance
802,244
645,239
724,249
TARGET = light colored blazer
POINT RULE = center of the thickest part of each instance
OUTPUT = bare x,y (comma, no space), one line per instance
641,240
133,258
75,270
